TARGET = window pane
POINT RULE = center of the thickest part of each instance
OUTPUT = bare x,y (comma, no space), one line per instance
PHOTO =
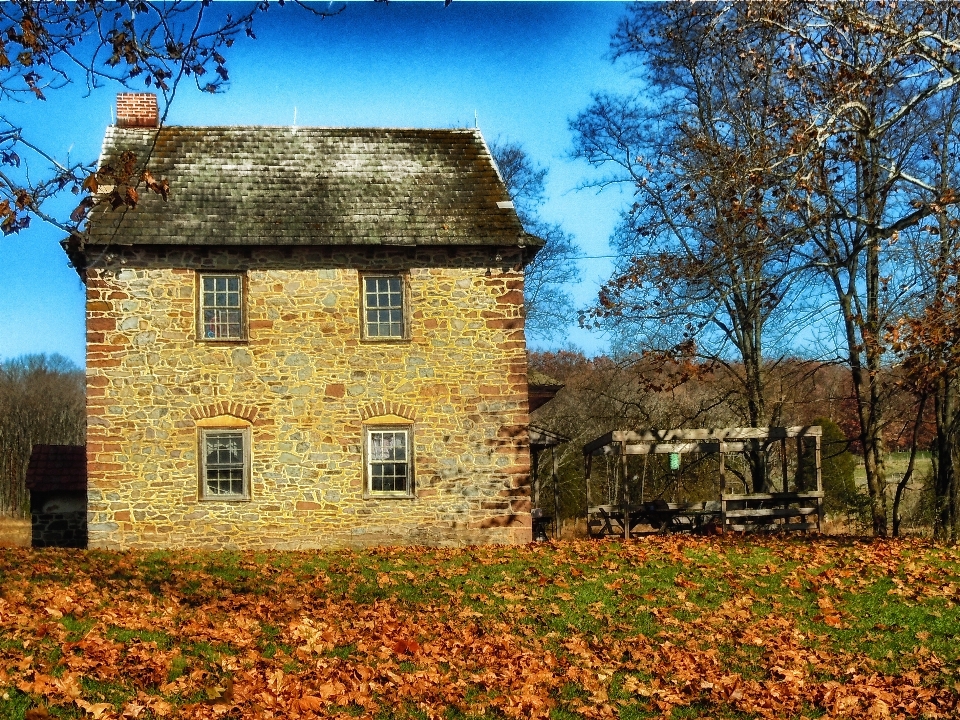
383,300
224,467
389,477
389,466
222,307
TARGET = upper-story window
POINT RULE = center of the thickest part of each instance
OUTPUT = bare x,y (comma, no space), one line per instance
221,307
384,311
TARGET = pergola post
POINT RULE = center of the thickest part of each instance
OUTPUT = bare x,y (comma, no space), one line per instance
799,455
556,496
783,464
535,461
625,497
816,455
587,467
723,488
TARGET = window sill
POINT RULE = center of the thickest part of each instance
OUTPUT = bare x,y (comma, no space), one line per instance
389,496
385,340
226,499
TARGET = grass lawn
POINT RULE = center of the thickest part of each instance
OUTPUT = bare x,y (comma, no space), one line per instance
668,627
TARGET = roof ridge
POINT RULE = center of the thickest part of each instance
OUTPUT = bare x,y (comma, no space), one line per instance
296,128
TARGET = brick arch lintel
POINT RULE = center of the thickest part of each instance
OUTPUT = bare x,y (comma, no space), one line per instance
388,407
226,407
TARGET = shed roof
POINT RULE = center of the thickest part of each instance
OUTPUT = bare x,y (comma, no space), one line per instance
541,388
57,467
311,186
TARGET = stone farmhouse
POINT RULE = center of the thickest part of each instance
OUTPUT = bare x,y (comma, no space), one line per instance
316,339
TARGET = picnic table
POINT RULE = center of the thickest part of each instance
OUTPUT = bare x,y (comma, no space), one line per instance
660,515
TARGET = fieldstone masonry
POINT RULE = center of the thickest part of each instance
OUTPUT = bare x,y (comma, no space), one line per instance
306,382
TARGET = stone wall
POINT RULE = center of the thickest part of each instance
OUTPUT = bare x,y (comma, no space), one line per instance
305,381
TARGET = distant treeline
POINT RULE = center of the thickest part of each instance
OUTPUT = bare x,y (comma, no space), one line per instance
41,402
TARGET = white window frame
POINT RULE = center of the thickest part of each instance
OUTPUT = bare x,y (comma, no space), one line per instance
365,309
202,307
369,462
244,435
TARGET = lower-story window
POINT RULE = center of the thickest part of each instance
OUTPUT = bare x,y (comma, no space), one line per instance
389,466
225,470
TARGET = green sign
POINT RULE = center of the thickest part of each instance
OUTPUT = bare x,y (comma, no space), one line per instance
674,461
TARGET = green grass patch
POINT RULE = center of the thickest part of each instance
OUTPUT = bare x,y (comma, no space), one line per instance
77,628
117,694
126,636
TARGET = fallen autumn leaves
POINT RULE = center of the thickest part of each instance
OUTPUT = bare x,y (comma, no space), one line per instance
661,627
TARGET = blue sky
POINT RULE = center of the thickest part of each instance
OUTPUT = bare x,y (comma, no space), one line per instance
521,69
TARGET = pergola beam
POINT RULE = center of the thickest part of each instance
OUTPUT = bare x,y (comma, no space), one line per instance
698,436
704,448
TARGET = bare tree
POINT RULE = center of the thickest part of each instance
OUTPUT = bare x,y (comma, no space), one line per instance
925,338
863,77
547,300
706,249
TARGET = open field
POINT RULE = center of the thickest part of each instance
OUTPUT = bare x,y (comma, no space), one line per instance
14,532
896,464
669,627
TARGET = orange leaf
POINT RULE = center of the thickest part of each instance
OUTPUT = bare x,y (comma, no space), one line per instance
310,702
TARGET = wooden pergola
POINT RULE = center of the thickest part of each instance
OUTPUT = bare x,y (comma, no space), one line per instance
791,508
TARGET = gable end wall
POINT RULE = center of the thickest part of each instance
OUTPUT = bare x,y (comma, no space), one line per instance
307,381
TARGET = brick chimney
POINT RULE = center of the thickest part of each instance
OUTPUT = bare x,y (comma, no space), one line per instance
137,110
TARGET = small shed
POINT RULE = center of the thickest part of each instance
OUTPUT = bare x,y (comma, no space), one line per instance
624,503
57,481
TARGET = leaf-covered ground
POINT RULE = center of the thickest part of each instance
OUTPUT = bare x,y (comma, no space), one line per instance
670,627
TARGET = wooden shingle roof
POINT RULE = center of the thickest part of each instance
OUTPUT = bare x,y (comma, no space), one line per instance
311,186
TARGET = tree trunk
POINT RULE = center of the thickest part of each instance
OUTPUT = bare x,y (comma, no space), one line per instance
751,349
945,476
902,484
868,412
876,478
